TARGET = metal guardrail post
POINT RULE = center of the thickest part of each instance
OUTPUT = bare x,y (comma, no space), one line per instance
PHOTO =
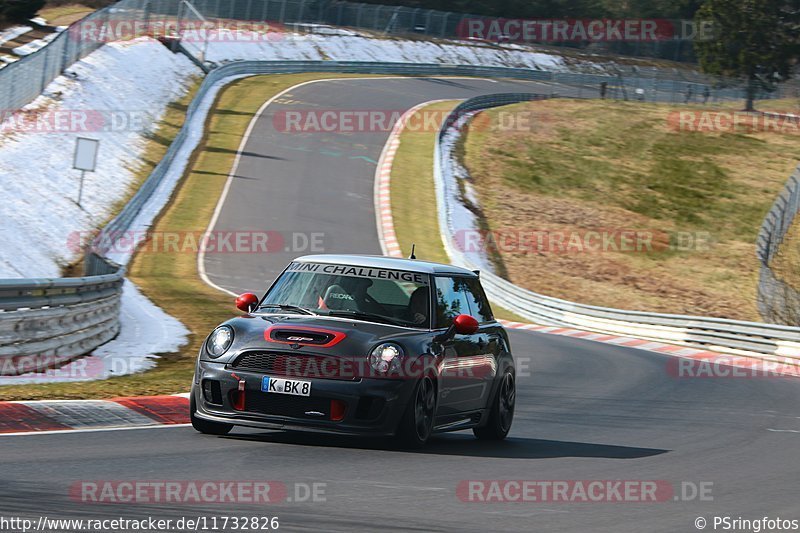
376,20
358,15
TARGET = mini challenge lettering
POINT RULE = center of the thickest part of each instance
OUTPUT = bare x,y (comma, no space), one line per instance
345,270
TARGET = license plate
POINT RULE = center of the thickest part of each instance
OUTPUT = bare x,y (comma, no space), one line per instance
295,387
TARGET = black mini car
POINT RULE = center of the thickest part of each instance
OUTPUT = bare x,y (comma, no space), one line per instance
360,345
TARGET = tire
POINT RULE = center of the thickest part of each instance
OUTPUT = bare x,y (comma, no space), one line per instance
501,413
206,426
417,423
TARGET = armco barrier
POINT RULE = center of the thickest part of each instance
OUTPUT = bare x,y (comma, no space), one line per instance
768,341
44,322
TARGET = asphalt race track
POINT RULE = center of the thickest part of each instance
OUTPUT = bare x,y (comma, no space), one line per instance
588,411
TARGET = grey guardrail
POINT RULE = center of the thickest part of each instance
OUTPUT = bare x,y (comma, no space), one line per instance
44,322
769,341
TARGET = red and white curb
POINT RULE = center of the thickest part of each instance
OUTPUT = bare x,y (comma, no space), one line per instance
383,175
391,247
384,212
48,416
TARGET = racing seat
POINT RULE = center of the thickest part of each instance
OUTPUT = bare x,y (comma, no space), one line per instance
418,305
338,298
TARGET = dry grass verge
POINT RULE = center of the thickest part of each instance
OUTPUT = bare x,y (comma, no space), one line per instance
612,167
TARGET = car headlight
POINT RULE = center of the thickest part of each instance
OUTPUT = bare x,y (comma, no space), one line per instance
219,341
386,358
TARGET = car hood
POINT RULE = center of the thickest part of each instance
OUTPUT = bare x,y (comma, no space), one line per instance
318,335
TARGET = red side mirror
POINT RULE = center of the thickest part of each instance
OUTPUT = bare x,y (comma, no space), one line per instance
465,325
246,302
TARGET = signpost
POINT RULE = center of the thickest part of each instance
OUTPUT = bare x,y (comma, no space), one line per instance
85,159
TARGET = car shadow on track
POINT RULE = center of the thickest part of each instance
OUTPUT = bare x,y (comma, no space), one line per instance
461,445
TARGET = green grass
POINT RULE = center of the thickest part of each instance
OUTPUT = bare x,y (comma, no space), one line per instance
64,15
624,154
412,191
413,196
606,164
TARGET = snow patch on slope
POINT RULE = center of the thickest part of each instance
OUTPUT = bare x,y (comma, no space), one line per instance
12,33
224,46
39,213
136,80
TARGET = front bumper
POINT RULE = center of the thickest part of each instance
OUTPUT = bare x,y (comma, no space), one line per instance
373,406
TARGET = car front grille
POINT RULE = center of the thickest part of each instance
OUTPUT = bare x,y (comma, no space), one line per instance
301,366
285,405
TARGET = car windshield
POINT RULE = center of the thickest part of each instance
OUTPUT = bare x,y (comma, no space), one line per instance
373,294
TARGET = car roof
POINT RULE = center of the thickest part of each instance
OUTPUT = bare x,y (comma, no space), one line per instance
390,263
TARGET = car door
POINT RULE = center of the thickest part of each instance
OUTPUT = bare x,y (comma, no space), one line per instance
466,369
489,343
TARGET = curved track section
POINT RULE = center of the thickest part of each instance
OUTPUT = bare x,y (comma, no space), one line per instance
319,183
589,411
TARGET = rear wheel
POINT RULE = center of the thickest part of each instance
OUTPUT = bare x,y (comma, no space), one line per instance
417,424
501,412
206,426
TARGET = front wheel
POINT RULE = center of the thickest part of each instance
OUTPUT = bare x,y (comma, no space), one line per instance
417,423
501,412
206,426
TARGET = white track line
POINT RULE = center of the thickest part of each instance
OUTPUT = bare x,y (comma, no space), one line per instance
91,430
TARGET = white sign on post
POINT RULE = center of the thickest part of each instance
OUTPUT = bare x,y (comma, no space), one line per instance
86,154
85,159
